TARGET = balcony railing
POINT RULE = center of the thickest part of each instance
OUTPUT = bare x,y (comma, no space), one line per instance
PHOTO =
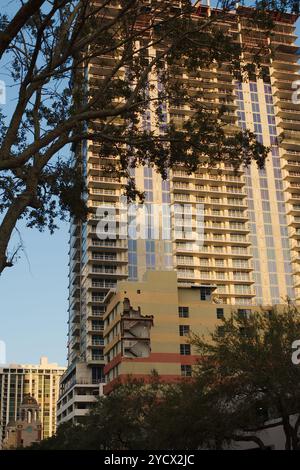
96,357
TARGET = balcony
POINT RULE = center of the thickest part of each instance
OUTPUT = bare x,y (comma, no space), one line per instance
290,124
295,222
75,316
104,257
293,176
97,299
185,274
107,271
177,174
104,181
239,239
97,195
103,284
95,358
296,234
95,343
188,261
75,330
107,244
184,197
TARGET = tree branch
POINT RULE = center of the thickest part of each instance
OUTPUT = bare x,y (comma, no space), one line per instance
17,23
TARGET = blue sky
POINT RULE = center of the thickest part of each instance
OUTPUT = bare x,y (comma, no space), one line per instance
33,295
33,299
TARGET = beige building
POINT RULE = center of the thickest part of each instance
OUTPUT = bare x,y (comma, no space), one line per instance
147,326
78,392
251,217
41,382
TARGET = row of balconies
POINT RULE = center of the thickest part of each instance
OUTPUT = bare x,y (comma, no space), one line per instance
228,251
207,177
232,289
296,232
103,182
284,111
108,193
105,256
208,189
120,258
294,209
226,277
240,227
178,210
227,214
103,284
288,124
190,198
194,211
295,222
212,263
293,174
295,196
106,244
185,234
108,270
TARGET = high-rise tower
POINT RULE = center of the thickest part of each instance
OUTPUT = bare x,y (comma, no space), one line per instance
251,216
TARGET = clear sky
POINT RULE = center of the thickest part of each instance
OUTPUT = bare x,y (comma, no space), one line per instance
33,296
33,299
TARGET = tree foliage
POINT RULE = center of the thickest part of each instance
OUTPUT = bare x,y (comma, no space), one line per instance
47,48
245,383
249,375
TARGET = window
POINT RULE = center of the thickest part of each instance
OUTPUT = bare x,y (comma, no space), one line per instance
205,293
185,273
244,332
220,275
220,313
245,300
204,274
244,312
184,330
240,276
221,331
219,263
204,262
183,312
186,370
240,263
221,289
242,289
185,349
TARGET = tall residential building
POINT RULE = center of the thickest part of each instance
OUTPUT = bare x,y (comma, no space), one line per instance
251,216
41,382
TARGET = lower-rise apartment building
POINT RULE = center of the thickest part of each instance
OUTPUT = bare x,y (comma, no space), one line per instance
148,323
78,392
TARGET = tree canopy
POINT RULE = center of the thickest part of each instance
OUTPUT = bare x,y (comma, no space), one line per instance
85,71
249,375
245,383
